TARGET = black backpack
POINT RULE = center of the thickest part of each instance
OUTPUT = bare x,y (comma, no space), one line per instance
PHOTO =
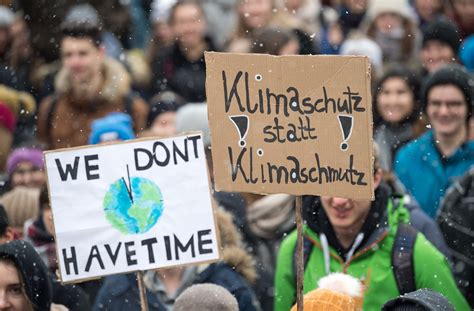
456,221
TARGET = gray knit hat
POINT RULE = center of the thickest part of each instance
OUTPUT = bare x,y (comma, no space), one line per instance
193,117
206,297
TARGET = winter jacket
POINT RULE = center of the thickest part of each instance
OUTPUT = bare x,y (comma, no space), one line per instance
420,167
456,220
369,258
172,71
68,122
120,292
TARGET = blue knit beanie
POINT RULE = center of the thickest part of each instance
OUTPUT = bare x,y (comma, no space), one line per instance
115,126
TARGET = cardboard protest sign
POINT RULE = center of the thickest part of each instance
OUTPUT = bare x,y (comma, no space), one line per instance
131,206
291,124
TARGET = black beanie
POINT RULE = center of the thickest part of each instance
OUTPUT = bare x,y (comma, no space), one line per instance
422,300
453,74
444,31
34,273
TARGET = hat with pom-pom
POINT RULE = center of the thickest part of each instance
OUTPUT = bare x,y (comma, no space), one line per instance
335,292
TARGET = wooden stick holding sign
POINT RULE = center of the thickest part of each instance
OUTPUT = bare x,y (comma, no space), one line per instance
299,254
300,125
142,291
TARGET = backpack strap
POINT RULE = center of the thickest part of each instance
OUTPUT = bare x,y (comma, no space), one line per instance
307,248
402,258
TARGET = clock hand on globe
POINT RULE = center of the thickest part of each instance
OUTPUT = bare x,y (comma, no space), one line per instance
129,186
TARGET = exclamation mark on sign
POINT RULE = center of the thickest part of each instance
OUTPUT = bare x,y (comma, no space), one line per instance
241,122
346,123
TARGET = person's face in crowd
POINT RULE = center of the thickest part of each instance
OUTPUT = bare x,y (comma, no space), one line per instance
356,6
256,13
464,9
346,215
447,110
387,22
164,124
162,33
47,215
395,100
12,294
188,25
291,48
435,54
81,58
26,174
428,9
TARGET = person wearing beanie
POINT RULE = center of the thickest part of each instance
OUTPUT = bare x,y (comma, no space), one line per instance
337,292
440,46
206,297
116,126
378,242
23,273
25,168
162,115
421,300
391,25
193,117
21,204
445,152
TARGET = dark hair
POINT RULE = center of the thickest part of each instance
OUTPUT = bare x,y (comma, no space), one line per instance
163,102
82,31
270,40
35,276
452,74
43,197
4,223
412,80
179,3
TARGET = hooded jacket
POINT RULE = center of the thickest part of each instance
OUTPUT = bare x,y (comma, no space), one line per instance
68,123
369,258
38,286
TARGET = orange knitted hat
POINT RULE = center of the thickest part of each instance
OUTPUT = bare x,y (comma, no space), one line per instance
336,292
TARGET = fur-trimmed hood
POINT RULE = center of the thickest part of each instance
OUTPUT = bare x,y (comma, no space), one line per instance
232,249
117,81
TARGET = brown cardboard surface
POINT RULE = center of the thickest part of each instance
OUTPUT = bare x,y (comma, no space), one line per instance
257,139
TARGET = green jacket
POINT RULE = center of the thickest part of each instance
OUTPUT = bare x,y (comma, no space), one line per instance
371,264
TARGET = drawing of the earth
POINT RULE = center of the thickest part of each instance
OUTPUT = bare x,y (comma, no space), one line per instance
133,206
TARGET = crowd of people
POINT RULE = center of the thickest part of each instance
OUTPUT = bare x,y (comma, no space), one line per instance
74,73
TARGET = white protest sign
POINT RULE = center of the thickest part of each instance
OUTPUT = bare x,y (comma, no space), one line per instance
131,206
